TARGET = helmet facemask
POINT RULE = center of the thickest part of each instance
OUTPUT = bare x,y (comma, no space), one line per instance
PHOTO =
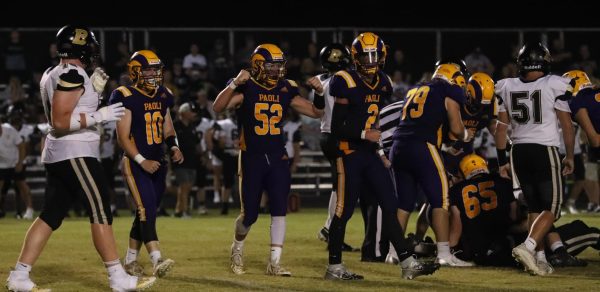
269,72
369,63
148,78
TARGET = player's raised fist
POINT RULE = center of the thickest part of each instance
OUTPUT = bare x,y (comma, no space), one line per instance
315,84
241,78
372,135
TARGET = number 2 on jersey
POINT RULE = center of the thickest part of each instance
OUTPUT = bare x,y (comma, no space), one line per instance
154,127
416,96
268,124
373,111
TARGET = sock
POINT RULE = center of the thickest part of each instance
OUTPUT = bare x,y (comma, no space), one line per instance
155,256
556,246
530,244
443,249
275,254
113,207
114,268
22,267
131,255
238,245
331,210
277,230
335,266
540,256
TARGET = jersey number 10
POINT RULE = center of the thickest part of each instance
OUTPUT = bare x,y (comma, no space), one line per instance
154,127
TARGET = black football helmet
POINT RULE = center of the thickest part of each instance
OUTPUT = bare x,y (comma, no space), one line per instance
16,114
460,62
534,57
335,57
77,42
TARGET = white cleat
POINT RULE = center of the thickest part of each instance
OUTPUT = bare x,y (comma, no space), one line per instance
202,210
162,267
237,263
18,281
545,268
526,258
124,282
276,270
453,261
391,259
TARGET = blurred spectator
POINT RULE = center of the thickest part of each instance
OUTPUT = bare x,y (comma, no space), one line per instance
397,63
170,84
194,57
561,59
185,172
478,62
120,64
510,70
400,86
199,81
585,61
310,64
203,106
242,56
293,63
220,64
180,79
53,58
14,56
13,93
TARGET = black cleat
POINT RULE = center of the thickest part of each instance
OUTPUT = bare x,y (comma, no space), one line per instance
564,259
347,247
412,268
341,274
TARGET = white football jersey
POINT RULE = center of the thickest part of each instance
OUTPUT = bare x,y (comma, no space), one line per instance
202,127
329,100
26,131
229,131
109,139
531,108
289,130
9,146
80,143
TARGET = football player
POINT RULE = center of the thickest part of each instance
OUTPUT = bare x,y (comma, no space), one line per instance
262,98
334,57
71,151
415,154
359,95
534,103
141,133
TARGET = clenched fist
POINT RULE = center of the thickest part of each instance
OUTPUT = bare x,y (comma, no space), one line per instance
315,84
241,78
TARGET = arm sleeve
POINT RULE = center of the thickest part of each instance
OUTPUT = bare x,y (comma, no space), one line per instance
563,90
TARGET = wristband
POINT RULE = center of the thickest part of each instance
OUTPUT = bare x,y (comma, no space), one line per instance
232,85
139,158
465,135
363,134
381,152
502,160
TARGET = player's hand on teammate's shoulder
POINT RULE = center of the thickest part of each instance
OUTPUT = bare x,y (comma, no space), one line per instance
241,78
315,84
372,135
150,166
177,156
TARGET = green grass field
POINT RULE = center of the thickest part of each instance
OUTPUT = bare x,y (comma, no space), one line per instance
200,247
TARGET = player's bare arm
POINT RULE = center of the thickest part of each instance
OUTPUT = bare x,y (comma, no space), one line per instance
500,137
564,118
123,131
228,97
457,128
305,107
171,139
63,103
583,119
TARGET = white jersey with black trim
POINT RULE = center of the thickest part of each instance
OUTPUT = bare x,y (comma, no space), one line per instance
201,129
229,131
290,130
80,143
531,108
329,100
9,146
109,139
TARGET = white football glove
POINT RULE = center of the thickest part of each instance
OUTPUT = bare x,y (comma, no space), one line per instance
113,112
99,79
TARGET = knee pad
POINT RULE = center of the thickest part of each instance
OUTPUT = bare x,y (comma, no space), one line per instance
240,228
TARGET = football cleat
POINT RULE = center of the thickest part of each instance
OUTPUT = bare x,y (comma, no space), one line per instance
162,267
237,263
122,283
391,259
544,268
341,273
412,268
526,258
453,261
18,281
564,259
134,268
323,234
276,270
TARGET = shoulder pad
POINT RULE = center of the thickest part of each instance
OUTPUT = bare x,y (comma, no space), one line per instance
70,80
124,90
347,77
